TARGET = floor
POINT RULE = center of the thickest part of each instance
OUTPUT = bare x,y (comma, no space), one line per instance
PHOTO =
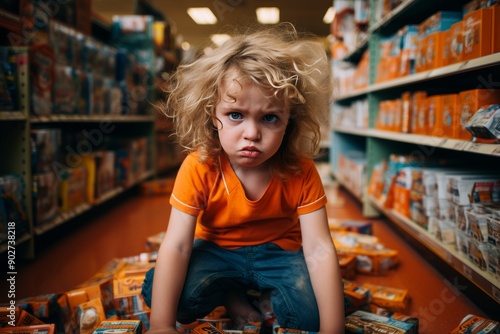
122,229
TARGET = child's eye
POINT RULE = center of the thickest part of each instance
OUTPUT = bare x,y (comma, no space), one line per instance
235,116
270,118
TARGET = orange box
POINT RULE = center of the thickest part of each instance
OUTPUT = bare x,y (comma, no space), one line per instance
421,113
402,200
449,112
477,33
406,112
434,126
454,41
469,102
495,31
420,63
434,53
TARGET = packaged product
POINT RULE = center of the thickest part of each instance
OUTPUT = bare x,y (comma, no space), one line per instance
26,319
206,328
446,232
38,329
493,224
494,261
42,63
477,223
142,316
388,297
121,326
477,27
395,315
473,324
73,187
484,123
462,242
469,102
478,253
90,315
357,294
294,331
347,263
105,173
366,322
127,286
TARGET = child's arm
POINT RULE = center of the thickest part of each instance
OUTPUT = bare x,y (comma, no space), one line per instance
324,270
170,271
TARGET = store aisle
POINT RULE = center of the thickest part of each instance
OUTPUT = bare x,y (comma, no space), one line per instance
122,231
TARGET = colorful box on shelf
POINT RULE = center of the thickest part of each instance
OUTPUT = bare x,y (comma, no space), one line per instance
477,34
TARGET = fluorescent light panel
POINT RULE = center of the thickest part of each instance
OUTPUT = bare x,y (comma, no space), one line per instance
268,15
218,39
329,15
202,15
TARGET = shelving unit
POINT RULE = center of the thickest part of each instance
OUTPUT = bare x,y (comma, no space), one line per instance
378,145
16,127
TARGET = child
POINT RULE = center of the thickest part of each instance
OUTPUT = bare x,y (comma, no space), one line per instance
248,193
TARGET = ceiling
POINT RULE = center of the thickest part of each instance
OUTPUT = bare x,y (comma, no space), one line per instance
306,15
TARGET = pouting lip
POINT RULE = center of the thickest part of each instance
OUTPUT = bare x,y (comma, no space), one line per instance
250,148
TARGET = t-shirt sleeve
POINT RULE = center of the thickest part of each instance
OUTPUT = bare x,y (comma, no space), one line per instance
189,192
312,195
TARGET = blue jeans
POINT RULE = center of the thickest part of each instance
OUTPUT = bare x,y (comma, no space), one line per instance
213,271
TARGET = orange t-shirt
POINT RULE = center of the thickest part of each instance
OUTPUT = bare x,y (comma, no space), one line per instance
227,218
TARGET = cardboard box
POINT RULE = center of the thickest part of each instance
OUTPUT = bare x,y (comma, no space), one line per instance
40,329
388,297
495,31
434,125
473,324
469,102
434,55
366,322
477,34
124,326
454,41
448,113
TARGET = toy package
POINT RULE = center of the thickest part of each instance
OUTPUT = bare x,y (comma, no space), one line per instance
73,188
45,197
45,149
42,78
366,322
36,329
90,315
9,95
12,205
473,324
119,326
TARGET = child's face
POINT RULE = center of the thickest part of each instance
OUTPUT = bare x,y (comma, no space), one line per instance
251,121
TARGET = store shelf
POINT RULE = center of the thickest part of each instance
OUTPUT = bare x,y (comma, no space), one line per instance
448,253
445,71
411,12
69,215
356,54
438,142
19,242
91,118
12,116
352,95
9,21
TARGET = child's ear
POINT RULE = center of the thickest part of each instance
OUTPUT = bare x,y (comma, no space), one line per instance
216,123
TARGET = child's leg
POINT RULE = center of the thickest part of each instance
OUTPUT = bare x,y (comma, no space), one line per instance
285,274
240,310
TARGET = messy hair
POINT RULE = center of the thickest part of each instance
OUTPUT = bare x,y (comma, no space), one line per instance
295,67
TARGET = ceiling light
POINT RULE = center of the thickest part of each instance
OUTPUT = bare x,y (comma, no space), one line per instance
218,39
329,15
268,15
202,15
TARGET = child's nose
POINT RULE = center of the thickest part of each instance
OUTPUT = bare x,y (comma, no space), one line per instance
252,131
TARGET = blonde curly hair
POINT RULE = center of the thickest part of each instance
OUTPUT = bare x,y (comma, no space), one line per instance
294,66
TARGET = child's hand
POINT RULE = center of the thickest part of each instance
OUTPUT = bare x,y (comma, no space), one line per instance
167,330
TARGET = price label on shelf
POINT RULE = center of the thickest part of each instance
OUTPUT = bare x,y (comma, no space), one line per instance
467,271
